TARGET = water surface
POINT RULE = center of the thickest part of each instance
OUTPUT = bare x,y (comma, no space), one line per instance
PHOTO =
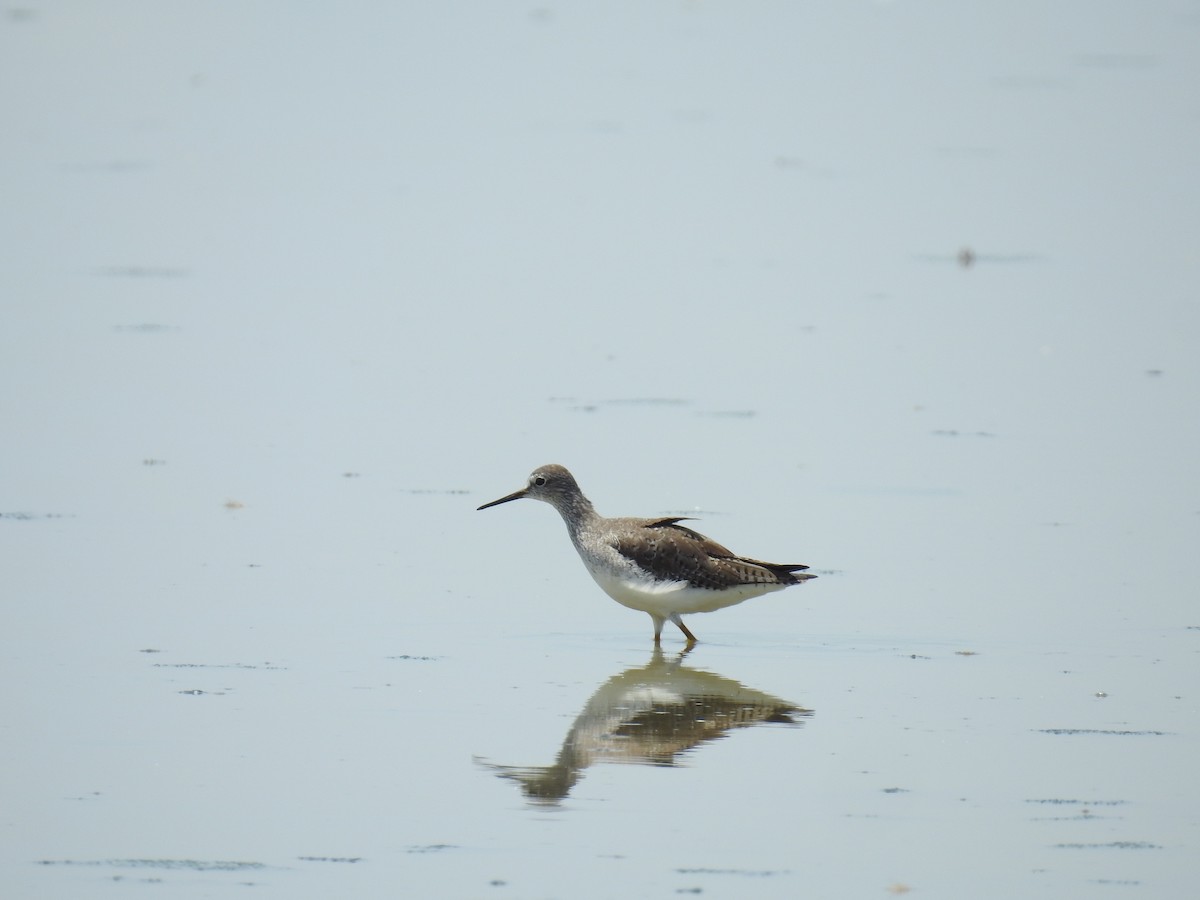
902,291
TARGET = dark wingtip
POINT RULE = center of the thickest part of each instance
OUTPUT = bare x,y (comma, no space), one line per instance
794,573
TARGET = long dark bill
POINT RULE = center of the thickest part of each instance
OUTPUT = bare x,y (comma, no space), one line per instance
515,495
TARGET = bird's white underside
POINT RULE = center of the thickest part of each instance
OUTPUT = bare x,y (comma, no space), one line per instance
663,598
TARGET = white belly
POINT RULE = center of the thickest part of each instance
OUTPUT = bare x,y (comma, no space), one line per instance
662,598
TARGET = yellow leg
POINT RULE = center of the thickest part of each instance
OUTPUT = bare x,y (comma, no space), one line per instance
691,638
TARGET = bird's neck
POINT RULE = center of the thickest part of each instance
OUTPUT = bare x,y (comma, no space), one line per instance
578,513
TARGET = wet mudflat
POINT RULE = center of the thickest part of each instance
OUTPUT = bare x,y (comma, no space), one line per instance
880,289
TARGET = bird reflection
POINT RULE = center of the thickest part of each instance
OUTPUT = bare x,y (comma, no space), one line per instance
651,715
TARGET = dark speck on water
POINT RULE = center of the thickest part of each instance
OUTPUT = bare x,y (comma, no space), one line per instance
198,865
1107,731
330,859
265,665
748,873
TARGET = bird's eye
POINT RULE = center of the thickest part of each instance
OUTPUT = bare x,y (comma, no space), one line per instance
539,480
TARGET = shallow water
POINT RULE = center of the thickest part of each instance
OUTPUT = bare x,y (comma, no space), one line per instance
905,292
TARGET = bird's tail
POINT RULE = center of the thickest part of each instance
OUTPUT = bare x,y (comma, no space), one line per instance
787,573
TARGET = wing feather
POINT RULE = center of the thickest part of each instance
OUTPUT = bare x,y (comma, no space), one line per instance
669,551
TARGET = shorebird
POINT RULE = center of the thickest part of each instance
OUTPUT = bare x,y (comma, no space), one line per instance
654,565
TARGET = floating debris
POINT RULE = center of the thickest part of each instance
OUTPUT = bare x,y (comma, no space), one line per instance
967,257
330,859
1059,801
266,665
590,406
648,401
749,873
198,865
1097,731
